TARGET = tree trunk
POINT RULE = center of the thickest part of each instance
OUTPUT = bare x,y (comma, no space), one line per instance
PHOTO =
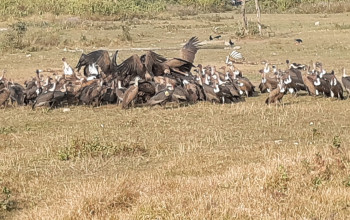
258,14
244,16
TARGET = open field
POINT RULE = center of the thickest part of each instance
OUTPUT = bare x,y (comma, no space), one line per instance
203,161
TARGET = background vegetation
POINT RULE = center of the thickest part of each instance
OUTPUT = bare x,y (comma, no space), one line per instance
122,9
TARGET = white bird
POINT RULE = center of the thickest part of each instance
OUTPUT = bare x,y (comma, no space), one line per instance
66,68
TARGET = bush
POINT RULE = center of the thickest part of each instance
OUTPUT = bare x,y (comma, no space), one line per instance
125,9
79,148
14,38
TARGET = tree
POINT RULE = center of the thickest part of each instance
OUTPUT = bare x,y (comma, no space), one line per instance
244,16
258,14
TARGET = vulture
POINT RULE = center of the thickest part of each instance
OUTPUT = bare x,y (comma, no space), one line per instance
162,96
91,94
246,86
4,95
187,53
152,64
131,93
16,93
336,88
346,81
45,98
308,82
295,65
180,94
210,94
293,80
130,68
32,89
322,86
277,94
67,70
157,65
120,91
110,96
267,83
59,96
147,89
100,58
195,91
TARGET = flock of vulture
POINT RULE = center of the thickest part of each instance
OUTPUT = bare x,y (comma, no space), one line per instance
152,79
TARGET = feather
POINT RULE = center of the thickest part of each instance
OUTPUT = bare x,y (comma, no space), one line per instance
189,50
236,55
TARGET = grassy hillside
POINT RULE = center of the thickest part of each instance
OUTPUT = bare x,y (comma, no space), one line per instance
203,161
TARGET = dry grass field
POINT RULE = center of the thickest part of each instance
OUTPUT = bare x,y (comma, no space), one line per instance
203,161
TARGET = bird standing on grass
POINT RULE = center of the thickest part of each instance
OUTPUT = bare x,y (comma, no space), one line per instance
131,93
216,37
66,68
231,43
298,41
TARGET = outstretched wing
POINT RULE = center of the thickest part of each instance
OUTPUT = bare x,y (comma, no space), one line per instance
130,67
236,55
153,61
189,50
114,59
90,58
100,57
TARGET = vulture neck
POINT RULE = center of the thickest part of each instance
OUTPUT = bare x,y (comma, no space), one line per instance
120,84
64,89
65,64
206,80
53,88
275,70
219,80
322,73
227,77
47,81
137,82
266,69
200,82
216,89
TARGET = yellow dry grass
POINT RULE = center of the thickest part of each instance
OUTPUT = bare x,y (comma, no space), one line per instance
204,161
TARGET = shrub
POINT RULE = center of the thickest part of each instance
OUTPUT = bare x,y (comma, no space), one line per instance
79,148
14,38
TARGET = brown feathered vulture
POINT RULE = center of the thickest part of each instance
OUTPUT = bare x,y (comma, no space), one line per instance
4,94
188,52
308,82
277,94
157,65
129,69
346,81
131,93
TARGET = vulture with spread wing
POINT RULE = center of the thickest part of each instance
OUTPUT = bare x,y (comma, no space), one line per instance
130,68
188,52
152,64
157,65
99,57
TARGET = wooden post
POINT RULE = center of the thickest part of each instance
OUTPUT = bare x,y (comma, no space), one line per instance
258,14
